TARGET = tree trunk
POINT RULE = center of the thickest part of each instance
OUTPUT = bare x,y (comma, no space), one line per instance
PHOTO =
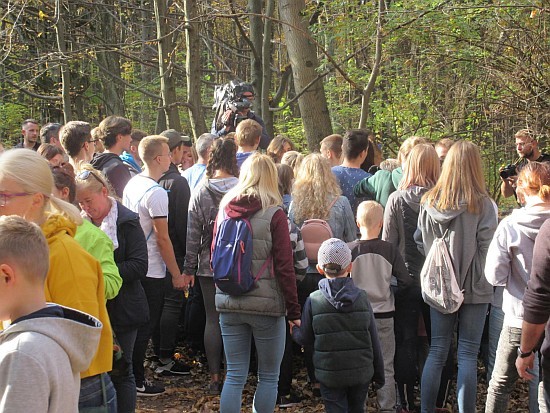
165,56
367,92
256,39
303,59
193,69
109,60
63,61
266,114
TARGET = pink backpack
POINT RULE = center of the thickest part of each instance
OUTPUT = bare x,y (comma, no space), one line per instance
314,233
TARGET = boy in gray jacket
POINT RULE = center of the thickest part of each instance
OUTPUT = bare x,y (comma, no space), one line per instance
44,349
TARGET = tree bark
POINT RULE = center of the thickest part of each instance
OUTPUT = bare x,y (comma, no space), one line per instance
193,69
256,58
165,56
63,58
303,59
266,114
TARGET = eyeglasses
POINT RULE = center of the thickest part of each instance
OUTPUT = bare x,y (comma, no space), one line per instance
86,174
249,97
93,140
6,196
165,154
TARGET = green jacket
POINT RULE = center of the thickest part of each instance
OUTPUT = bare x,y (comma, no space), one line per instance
379,186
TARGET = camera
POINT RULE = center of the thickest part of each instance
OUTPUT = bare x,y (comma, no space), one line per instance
508,171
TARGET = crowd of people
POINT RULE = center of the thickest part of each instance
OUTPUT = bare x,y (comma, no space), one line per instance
107,236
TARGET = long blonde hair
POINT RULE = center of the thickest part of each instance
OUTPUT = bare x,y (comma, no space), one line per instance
314,188
258,179
33,173
422,167
461,180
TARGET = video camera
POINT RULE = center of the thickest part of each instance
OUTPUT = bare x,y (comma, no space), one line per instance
238,103
508,171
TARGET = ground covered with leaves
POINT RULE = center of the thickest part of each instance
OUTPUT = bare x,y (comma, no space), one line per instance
190,393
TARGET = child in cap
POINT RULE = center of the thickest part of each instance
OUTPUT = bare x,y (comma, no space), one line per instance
46,346
338,320
375,264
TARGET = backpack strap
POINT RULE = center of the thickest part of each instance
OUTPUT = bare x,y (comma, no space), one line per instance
332,203
137,206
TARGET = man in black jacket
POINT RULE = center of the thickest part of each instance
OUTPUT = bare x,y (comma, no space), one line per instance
178,202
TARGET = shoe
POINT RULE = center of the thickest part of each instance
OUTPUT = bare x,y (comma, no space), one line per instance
173,368
215,387
288,401
316,392
149,389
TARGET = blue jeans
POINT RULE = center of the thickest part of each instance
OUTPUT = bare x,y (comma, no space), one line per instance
269,338
91,393
505,374
125,385
470,329
345,399
496,320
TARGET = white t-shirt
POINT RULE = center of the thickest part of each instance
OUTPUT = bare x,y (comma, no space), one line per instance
146,197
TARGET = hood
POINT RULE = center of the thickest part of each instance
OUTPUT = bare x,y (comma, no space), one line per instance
412,196
528,220
396,176
100,159
76,332
221,185
57,225
243,207
340,292
443,217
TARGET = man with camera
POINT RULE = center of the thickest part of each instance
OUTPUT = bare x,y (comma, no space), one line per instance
527,148
239,109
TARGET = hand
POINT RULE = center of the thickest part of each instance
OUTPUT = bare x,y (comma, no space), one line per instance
522,364
511,181
294,323
179,282
189,279
227,118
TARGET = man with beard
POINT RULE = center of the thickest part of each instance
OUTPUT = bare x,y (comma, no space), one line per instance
527,148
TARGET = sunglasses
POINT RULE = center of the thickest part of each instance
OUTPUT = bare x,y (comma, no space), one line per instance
84,175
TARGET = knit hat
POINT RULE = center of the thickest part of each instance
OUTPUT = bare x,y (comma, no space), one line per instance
334,256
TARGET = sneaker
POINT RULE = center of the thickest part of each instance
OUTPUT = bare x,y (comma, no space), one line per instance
173,368
215,387
149,389
288,401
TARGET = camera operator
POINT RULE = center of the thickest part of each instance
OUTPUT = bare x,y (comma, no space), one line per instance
527,148
239,110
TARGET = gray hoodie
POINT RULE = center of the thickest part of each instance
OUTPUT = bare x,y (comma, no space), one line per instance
510,257
468,240
203,208
41,360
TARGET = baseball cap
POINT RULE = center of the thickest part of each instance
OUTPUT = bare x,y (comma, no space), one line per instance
336,252
175,138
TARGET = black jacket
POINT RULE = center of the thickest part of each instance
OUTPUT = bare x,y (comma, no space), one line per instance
114,169
178,203
129,308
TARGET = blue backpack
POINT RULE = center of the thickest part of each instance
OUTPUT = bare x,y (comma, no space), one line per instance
231,258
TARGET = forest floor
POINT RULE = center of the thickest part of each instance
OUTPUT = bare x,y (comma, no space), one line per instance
190,393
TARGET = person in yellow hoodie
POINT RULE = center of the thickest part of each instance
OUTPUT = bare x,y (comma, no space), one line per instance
75,278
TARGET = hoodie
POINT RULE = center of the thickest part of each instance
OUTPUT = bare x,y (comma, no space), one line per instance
265,298
131,163
41,359
510,257
468,240
114,169
203,208
379,186
346,347
75,280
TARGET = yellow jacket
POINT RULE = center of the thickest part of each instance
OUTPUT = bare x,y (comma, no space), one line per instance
75,280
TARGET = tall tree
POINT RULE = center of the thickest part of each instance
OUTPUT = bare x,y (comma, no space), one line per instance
302,54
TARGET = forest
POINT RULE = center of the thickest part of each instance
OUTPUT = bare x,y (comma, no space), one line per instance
469,69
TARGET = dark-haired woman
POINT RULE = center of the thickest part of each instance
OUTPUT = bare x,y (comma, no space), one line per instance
221,176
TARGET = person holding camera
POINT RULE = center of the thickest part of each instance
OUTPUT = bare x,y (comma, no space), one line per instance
527,148
239,109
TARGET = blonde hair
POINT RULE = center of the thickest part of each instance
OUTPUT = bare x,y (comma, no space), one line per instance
407,146
248,132
150,147
534,179
94,182
258,179
389,164
369,214
422,167
314,187
32,172
461,180
292,159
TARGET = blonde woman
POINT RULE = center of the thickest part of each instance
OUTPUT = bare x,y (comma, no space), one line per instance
458,204
316,194
420,173
260,313
75,279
